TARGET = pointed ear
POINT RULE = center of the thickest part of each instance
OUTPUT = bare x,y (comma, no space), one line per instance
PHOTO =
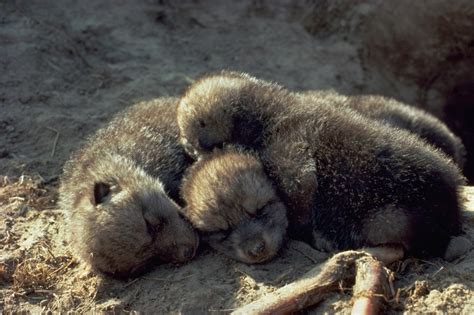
101,192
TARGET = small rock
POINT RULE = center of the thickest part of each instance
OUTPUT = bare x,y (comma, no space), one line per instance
23,210
8,263
457,247
4,153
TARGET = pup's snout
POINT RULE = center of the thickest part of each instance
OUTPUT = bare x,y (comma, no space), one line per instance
186,253
256,250
205,145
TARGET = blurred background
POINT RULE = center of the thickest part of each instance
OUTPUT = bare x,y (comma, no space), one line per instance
67,66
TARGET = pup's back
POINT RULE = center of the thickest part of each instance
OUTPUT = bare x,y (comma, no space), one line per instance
399,115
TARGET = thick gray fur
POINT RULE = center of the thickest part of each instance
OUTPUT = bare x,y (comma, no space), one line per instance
397,114
352,180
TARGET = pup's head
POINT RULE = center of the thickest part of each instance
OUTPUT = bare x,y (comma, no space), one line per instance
210,112
233,203
123,220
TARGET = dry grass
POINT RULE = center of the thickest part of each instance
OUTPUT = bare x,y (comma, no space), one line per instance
44,272
27,191
40,269
35,272
17,197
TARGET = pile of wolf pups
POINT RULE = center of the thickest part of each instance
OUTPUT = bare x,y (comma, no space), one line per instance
241,164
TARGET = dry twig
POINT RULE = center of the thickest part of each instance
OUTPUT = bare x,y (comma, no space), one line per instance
370,288
55,142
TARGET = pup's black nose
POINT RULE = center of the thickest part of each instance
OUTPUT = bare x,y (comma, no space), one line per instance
205,144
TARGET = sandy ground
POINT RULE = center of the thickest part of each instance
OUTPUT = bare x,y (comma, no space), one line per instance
38,272
67,66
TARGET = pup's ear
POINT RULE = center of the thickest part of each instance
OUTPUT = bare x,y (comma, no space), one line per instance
101,192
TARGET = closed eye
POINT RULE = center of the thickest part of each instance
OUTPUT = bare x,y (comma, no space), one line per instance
153,224
152,229
257,213
220,235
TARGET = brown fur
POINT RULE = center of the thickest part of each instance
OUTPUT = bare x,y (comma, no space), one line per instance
234,204
336,169
396,114
116,191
